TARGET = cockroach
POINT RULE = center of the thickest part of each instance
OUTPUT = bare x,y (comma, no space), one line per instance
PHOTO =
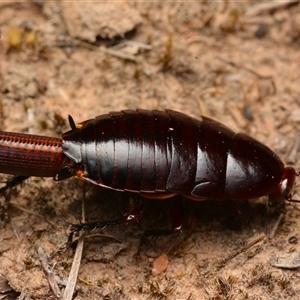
157,154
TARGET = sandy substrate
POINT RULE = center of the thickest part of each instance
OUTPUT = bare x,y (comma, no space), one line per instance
235,62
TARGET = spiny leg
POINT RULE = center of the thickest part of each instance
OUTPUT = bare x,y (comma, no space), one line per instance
130,217
133,216
176,227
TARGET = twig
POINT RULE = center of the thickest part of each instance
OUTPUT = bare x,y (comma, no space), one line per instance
98,235
120,54
295,149
275,227
209,41
202,108
245,68
250,244
267,6
71,284
27,210
25,295
128,43
48,270
31,213
115,51
15,231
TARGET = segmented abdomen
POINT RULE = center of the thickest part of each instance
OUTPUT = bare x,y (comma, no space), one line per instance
151,151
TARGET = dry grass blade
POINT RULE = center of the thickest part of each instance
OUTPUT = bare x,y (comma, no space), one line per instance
294,151
71,284
69,291
47,270
25,295
267,6
274,229
239,251
239,66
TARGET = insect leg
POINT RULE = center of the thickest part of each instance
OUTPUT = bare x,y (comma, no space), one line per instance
129,218
16,180
176,227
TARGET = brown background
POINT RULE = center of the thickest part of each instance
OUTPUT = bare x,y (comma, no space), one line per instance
224,59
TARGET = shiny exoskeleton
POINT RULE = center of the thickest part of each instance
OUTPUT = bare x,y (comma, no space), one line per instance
157,154
166,152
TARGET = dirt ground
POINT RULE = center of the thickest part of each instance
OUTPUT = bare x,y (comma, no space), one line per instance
237,62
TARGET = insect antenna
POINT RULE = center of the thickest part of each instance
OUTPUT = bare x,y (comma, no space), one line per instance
71,122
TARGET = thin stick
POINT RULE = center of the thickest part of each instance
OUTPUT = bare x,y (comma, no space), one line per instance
120,54
25,295
236,65
267,6
275,227
48,270
27,210
111,51
293,154
15,230
71,284
98,235
250,244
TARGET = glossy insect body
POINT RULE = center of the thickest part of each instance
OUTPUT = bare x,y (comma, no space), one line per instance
155,153
163,153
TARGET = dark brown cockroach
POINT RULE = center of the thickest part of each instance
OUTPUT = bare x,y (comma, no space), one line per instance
157,154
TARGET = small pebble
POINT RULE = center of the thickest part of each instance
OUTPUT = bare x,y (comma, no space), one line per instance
293,240
160,265
261,31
